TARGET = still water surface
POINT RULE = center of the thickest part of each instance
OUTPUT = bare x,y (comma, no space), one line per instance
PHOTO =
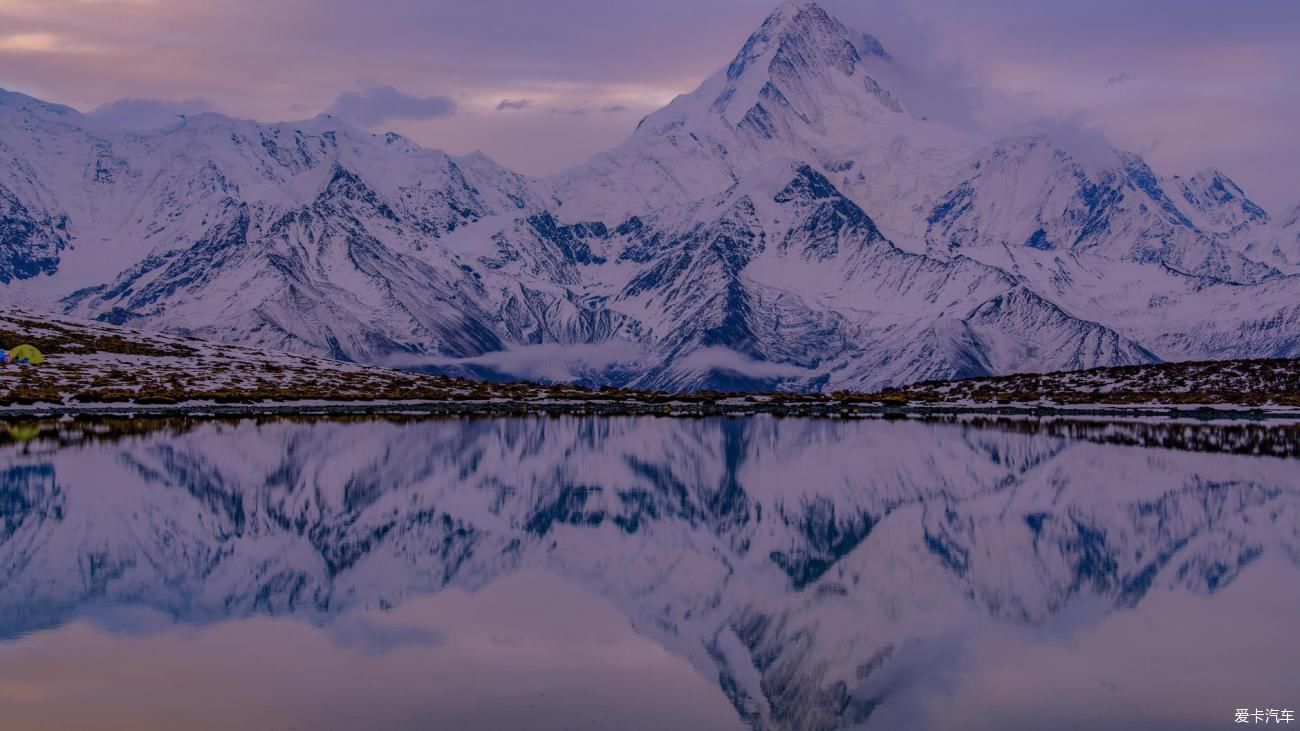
640,573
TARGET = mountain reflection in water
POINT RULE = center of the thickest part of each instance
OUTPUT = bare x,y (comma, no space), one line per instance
646,573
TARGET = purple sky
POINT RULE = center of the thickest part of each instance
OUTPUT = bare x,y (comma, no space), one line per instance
542,84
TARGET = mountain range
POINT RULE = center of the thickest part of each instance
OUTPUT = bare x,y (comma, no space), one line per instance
790,224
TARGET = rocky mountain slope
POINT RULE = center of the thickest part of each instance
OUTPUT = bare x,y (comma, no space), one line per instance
790,224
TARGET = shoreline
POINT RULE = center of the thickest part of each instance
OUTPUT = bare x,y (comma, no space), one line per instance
95,369
731,407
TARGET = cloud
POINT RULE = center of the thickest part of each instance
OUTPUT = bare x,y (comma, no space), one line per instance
549,362
514,104
1221,66
725,360
569,111
30,42
143,114
380,104
379,637
1169,90
592,362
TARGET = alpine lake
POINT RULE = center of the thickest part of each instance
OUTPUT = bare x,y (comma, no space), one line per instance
596,572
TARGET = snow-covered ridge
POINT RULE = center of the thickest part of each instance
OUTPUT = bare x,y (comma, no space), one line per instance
790,224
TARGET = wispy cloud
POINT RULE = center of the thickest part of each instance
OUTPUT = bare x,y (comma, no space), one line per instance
380,104
1220,66
29,42
42,43
514,104
133,113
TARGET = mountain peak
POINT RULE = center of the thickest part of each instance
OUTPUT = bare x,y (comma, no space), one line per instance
1220,200
798,55
22,102
791,9
804,26
801,12
1292,217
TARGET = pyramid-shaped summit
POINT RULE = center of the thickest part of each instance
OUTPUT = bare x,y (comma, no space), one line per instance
800,54
803,86
806,34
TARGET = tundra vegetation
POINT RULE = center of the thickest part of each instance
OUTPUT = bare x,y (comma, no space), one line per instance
97,363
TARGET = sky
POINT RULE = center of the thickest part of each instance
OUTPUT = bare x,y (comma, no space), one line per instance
540,85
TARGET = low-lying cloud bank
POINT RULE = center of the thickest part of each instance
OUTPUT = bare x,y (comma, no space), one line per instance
556,363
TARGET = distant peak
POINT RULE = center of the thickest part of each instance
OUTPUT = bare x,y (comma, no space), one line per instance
799,53
803,17
1210,189
792,8
1292,218
23,101
798,16
800,33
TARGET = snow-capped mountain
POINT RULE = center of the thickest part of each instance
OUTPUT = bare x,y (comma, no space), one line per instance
789,224
776,269
800,564
267,234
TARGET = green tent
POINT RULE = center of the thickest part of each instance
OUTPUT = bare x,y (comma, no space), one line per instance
25,354
24,432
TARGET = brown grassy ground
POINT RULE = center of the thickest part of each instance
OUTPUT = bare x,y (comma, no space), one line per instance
1242,382
96,363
